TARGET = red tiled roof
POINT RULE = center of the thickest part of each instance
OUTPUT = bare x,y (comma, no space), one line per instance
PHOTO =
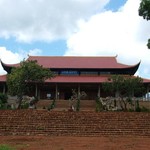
75,79
78,79
146,80
78,62
2,78
82,79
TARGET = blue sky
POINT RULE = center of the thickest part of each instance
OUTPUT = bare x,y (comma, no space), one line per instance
53,48
74,28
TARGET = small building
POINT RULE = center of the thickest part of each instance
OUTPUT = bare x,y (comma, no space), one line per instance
72,72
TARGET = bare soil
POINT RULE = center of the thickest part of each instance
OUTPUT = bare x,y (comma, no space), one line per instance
76,143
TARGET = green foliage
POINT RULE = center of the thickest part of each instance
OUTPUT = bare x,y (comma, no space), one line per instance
148,44
52,106
115,84
6,147
99,106
144,109
137,109
20,79
144,11
25,105
3,98
78,105
124,85
3,101
133,86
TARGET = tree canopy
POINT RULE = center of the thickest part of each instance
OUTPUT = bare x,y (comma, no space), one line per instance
144,11
20,77
124,86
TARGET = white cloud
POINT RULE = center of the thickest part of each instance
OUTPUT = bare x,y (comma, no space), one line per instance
9,57
89,29
34,52
121,33
35,20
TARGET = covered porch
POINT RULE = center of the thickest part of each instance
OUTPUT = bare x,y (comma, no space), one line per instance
63,91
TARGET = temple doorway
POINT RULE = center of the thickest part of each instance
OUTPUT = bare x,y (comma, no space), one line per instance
67,94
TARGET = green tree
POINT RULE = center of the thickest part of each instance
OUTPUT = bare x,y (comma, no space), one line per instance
134,86
21,77
3,101
124,86
114,85
144,11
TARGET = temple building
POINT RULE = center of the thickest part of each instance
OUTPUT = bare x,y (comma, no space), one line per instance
72,72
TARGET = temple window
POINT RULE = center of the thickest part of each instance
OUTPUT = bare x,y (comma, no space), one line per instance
89,73
69,72
103,73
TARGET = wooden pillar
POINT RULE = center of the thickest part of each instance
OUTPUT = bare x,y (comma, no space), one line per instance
56,92
79,90
4,89
99,91
117,94
36,90
39,92
147,98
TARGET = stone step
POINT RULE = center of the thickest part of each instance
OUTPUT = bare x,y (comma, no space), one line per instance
43,104
35,122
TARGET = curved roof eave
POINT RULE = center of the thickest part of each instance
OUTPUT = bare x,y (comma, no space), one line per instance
8,67
132,68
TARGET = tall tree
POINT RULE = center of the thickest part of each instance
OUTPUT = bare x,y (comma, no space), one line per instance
19,78
124,86
144,11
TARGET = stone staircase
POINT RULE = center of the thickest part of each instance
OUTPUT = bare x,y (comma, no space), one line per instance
43,104
64,105
87,105
61,123
61,105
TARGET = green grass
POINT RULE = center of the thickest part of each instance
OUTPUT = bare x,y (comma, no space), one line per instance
6,147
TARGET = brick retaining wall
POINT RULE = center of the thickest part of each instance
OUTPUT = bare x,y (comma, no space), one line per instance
43,122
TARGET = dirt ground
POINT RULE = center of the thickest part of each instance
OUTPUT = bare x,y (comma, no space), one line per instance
76,143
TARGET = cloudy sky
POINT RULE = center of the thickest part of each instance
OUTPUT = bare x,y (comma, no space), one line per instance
74,28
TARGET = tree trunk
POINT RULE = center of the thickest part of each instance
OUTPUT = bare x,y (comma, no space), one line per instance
20,101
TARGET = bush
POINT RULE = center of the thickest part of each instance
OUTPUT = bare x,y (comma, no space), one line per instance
6,147
137,109
52,105
3,101
3,98
78,105
99,106
24,105
144,109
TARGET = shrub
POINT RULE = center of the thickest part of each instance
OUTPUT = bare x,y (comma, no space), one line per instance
99,106
78,105
6,147
137,109
52,105
3,98
144,109
24,105
3,101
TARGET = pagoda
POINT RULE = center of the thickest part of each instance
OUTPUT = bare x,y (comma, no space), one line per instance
74,72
